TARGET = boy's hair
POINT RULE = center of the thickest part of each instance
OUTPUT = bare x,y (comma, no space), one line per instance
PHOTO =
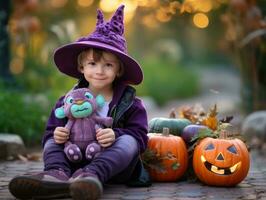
97,54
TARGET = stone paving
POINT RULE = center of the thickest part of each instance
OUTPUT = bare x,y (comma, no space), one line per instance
253,187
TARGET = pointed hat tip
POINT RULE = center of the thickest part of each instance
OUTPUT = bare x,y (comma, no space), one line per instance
120,10
121,7
99,12
99,17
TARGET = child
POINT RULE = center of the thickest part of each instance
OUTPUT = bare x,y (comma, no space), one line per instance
101,63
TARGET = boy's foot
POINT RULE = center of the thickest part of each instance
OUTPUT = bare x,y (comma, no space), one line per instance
44,185
85,185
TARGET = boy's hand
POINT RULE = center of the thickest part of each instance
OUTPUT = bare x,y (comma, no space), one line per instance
61,135
105,137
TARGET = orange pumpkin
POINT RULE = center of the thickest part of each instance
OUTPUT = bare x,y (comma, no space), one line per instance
174,153
221,162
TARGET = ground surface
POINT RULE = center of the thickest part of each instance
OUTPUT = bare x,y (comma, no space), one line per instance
253,187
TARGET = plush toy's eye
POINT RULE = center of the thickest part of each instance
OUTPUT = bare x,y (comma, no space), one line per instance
69,100
88,95
232,149
209,147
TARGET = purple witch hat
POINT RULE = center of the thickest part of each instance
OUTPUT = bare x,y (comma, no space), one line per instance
107,36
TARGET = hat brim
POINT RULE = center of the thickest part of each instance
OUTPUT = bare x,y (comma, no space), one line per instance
66,56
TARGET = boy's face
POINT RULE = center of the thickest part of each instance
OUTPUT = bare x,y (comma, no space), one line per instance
100,74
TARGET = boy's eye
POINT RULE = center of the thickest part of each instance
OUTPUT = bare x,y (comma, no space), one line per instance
69,100
88,95
108,65
90,63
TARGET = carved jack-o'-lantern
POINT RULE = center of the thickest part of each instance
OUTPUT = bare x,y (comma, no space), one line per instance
221,162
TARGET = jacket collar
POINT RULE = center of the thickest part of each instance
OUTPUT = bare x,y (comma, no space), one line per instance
119,88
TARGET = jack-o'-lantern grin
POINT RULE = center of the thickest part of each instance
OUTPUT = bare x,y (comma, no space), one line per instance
219,170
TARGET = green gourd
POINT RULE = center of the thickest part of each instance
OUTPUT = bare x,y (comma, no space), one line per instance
175,125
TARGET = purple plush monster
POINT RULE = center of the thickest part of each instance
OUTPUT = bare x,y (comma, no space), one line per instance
80,106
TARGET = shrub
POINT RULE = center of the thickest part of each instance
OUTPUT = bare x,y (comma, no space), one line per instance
166,81
23,116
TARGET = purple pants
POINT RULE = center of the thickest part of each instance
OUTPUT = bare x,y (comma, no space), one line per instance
116,162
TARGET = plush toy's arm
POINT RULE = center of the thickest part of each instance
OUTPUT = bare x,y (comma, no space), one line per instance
69,124
106,121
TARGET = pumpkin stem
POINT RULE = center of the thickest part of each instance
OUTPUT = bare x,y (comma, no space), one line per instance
165,131
225,129
223,134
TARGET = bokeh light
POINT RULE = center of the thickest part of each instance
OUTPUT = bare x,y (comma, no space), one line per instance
162,15
186,7
85,3
148,3
109,5
20,50
173,7
129,17
150,21
16,65
144,3
58,3
200,20
204,5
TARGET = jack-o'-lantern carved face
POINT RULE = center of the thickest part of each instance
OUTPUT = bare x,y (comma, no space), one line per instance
221,162
229,167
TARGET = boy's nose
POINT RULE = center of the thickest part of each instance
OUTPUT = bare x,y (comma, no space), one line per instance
100,69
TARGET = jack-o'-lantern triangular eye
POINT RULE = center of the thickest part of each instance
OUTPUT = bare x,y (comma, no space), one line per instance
209,147
232,149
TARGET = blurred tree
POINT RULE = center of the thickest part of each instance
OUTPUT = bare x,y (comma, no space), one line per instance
246,34
5,76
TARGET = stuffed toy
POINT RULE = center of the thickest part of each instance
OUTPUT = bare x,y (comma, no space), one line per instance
80,107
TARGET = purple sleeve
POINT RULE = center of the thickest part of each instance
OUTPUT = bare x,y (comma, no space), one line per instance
135,124
53,122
